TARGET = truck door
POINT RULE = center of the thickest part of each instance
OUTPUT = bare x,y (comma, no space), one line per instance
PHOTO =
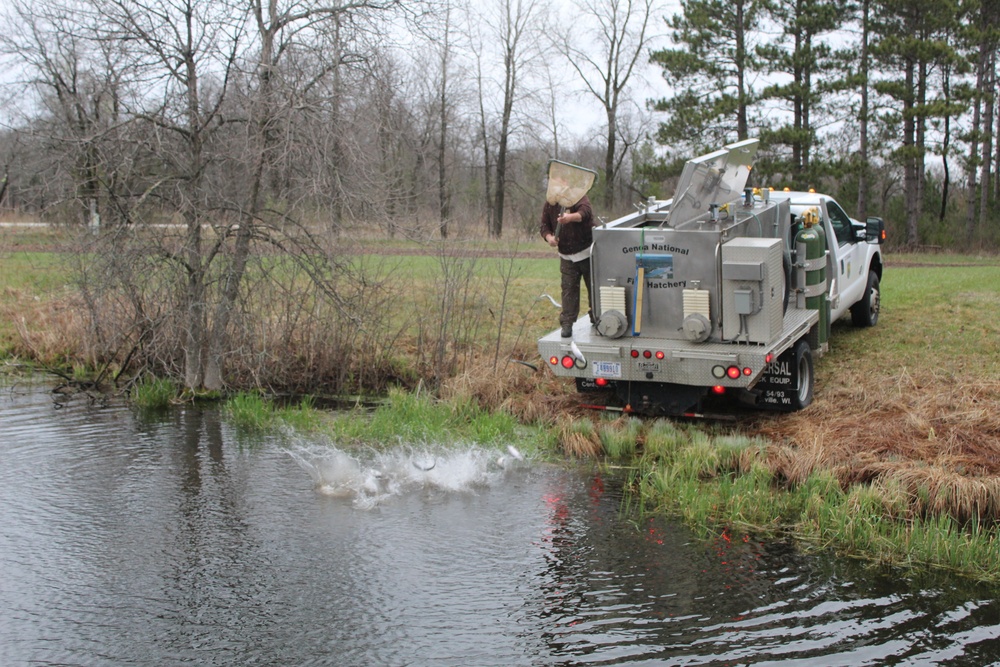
845,260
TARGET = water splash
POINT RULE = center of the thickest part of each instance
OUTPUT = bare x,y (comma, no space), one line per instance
369,477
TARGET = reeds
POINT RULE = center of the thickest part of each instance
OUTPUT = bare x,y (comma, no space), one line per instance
621,437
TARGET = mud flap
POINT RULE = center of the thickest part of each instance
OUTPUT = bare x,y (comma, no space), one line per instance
787,383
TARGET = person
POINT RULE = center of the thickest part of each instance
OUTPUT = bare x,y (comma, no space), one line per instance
571,231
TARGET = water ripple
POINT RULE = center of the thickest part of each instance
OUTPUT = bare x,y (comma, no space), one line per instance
162,539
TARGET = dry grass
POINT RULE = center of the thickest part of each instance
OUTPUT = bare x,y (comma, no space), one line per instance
579,438
935,435
47,331
532,395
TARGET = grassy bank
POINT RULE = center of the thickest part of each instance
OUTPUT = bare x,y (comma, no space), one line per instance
898,458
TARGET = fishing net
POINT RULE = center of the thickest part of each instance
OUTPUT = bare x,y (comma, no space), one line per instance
568,183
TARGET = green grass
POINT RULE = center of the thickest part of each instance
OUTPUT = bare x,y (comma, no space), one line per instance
941,319
250,412
154,393
692,475
410,417
620,440
303,416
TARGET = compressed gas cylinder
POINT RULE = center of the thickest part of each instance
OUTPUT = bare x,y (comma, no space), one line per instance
810,244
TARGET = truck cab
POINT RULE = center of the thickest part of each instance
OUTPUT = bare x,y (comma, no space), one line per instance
854,259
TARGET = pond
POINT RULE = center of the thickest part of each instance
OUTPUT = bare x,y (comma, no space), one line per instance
135,539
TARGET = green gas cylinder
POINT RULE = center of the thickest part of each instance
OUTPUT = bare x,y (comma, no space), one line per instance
810,249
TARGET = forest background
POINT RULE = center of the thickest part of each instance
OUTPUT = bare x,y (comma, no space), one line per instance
225,157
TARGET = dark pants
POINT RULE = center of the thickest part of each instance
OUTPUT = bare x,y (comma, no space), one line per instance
571,274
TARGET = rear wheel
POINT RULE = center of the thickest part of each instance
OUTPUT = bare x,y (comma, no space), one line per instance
804,373
787,383
865,312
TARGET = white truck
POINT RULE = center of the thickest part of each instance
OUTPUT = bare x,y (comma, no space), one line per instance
721,290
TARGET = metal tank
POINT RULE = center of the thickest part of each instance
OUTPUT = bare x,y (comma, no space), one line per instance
685,269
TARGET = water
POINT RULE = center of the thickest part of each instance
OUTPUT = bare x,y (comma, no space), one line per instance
130,540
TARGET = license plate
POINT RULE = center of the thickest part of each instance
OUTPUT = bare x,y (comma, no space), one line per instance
608,369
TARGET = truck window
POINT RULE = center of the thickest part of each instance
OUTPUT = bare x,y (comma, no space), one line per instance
841,223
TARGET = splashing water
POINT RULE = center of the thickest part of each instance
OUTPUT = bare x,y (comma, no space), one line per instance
370,477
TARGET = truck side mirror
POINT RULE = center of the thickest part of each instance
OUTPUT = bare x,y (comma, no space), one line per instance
875,230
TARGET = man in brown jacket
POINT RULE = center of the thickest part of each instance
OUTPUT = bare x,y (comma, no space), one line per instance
571,231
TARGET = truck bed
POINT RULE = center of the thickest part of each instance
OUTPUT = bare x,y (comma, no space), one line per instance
684,361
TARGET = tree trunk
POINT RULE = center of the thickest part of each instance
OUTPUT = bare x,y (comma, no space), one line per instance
971,198
985,160
911,184
742,124
609,161
862,207
945,143
444,201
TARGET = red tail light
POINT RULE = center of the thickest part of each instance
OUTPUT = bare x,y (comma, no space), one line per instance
568,361
733,372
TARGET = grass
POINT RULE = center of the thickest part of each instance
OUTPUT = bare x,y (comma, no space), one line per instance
250,412
154,393
719,483
418,417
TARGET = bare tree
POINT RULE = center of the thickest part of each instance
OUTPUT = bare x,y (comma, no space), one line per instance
606,63
513,25
78,82
188,52
443,38
278,26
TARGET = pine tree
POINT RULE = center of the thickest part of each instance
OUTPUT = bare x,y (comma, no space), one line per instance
913,41
811,77
710,71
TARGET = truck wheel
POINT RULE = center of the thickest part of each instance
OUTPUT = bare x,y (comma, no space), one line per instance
865,312
804,374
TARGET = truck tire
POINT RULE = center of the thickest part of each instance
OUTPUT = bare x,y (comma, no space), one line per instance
804,374
865,312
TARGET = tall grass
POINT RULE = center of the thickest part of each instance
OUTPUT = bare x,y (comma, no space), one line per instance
152,393
620,438
250,412
724,481
303,416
